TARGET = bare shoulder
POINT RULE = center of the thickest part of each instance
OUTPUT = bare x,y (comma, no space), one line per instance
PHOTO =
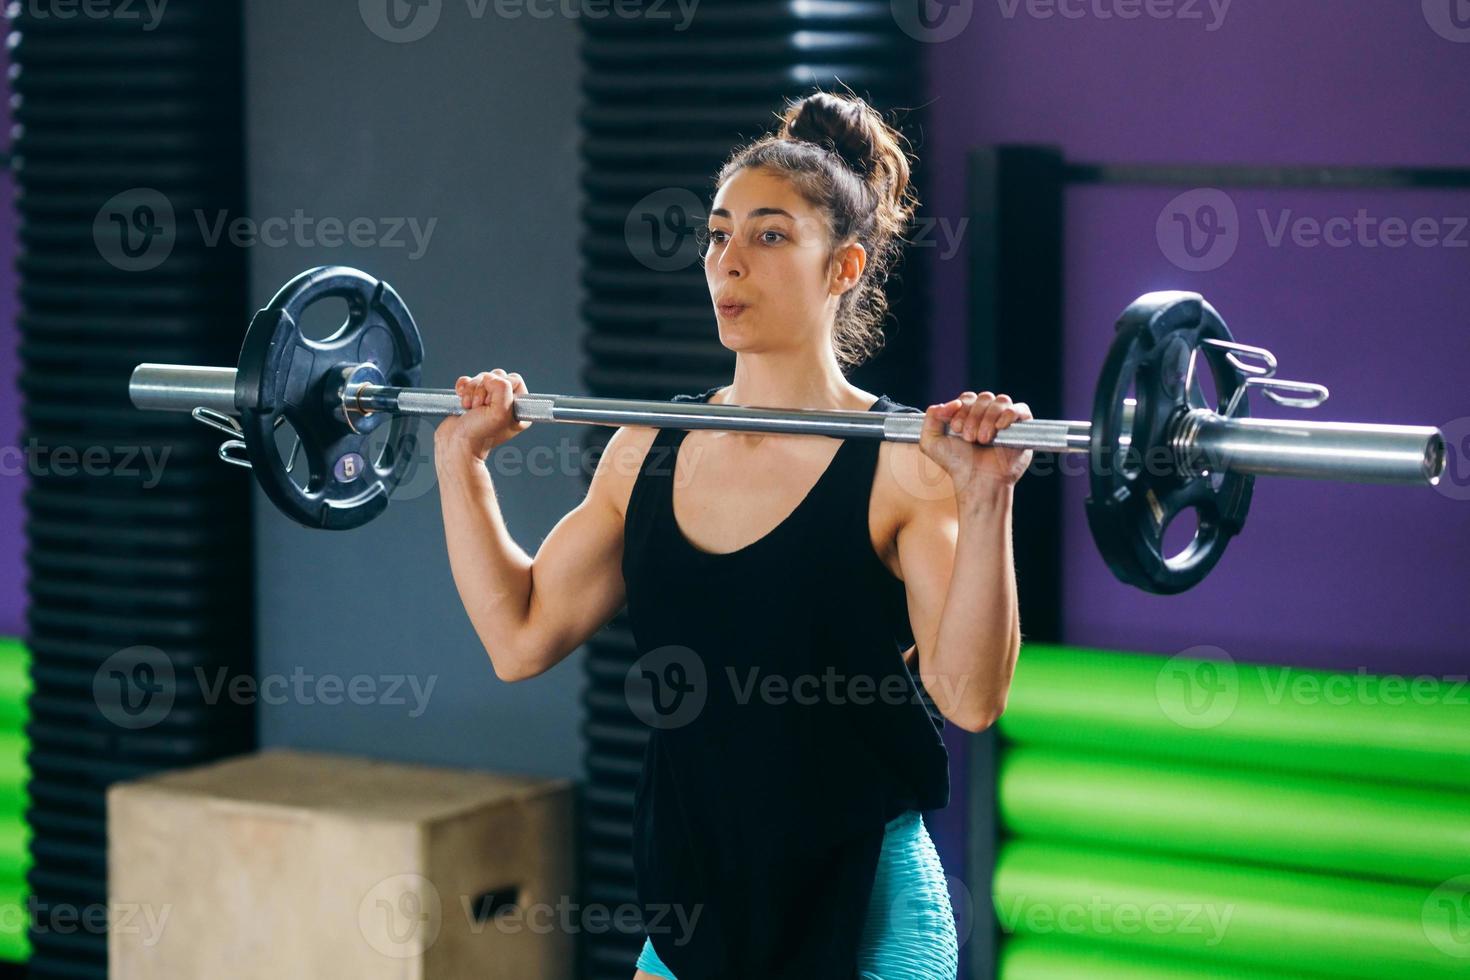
619,464
908,488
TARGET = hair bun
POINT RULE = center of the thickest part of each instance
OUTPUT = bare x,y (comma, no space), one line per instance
837,124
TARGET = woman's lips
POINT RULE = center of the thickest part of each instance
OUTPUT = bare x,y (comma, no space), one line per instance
731,309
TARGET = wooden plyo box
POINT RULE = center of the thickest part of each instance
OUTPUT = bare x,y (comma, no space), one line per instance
297,864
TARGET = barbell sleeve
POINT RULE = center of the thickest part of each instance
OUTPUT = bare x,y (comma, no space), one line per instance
183,388
1353,452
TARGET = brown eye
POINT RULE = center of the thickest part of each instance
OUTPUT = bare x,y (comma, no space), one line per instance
703,237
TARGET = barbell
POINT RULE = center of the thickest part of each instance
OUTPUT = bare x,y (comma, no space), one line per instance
1156,447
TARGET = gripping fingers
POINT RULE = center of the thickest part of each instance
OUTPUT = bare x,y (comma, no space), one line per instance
1005,413
979,416
995,410
493,388
975,409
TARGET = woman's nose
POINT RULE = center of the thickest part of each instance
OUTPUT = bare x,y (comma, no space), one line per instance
730,262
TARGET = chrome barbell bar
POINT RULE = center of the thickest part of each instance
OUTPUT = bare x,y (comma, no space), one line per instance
1343,451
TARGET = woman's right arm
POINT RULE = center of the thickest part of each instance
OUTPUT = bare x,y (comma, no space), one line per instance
529,613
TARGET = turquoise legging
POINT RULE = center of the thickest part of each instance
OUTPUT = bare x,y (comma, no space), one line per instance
909,931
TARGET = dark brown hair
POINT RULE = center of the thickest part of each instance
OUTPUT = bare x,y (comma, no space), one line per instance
849,164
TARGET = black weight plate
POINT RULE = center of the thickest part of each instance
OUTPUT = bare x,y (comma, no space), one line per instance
281,372
1137,490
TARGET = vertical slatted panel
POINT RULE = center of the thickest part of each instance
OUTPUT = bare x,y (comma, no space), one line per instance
128,127
666,99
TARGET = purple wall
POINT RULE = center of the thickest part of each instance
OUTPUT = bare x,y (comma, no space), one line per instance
1296,81
12,482
1344,577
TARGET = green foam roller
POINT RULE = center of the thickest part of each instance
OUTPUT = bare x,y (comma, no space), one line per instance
15,850
1056,959
14,772
14,946
1334,825
1363,726
1293,922
15,683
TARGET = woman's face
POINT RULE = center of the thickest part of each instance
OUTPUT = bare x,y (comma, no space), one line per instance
771,279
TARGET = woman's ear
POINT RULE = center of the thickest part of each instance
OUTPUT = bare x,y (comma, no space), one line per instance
847,266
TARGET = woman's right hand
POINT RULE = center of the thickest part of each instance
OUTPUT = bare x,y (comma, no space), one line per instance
488,420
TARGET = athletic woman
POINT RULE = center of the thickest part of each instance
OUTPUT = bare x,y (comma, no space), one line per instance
807,611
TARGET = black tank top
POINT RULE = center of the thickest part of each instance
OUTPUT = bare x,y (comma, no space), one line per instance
785,727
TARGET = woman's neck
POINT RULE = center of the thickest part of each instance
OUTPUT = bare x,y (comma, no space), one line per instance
764,381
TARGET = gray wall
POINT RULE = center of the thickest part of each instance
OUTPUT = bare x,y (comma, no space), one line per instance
473,126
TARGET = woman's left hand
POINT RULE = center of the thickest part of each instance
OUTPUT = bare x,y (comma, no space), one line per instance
973,464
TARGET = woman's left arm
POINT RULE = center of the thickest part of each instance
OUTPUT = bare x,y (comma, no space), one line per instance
956,553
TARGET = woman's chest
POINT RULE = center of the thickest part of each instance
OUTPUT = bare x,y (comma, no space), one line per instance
727,499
